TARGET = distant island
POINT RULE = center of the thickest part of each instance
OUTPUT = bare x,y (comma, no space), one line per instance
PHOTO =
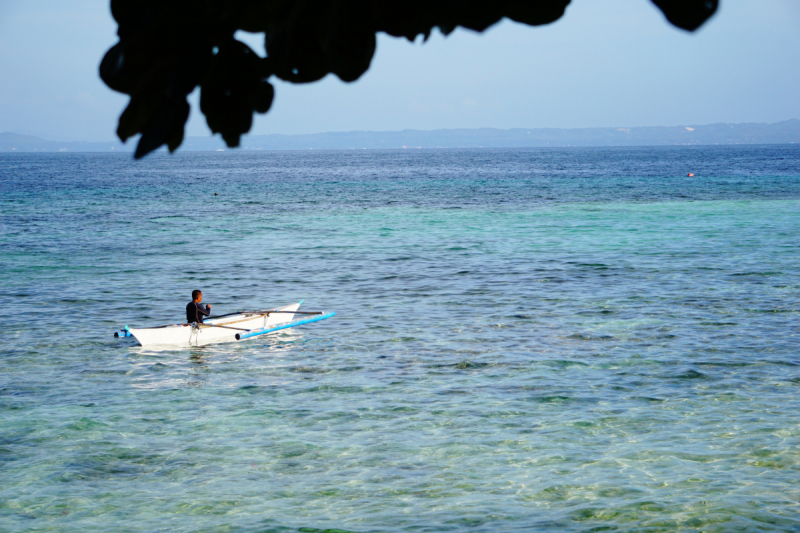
786,132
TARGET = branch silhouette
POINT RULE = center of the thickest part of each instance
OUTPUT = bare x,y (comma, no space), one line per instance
167,48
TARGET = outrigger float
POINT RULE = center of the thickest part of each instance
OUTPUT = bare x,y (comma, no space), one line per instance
236,326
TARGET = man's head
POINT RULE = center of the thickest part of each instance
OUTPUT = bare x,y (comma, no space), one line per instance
197,296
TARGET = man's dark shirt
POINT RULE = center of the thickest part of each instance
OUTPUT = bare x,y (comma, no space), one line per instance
195,312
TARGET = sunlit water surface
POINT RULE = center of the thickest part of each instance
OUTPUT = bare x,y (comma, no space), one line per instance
572,340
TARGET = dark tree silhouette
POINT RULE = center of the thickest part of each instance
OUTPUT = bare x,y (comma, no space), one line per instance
169,47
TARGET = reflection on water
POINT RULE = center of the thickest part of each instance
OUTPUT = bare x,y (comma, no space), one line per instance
199,366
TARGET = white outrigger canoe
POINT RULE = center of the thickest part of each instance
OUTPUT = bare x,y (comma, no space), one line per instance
224,328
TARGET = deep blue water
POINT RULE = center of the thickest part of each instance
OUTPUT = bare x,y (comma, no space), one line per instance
565,340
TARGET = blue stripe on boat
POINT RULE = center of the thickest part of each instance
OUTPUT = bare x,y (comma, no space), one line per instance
254,333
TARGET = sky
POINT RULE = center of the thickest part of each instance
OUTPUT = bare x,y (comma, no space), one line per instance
606,63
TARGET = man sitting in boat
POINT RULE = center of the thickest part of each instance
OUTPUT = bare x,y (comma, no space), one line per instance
195,311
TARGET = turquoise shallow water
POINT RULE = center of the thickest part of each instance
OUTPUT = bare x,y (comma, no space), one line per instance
565,340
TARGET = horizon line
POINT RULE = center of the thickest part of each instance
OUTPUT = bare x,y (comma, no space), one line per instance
38,135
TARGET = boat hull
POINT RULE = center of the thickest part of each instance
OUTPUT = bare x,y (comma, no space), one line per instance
188,335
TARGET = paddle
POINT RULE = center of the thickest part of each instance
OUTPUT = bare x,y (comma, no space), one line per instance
267,312
292,312
228,314
216,326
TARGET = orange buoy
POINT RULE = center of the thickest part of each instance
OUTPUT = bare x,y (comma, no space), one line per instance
690,175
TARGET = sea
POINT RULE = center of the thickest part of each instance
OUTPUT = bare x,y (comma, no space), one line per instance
571,339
